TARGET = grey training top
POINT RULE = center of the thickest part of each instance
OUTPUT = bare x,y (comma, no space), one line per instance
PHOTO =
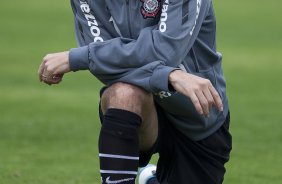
142,41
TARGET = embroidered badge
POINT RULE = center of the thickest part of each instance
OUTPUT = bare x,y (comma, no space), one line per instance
150,8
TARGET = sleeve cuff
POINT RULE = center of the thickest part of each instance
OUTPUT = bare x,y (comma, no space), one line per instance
159,80
78,58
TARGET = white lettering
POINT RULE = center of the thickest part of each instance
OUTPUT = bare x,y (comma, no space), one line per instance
165,7
95,31
85,8
89,17
98,39
162,27
92,22
164,94
164,15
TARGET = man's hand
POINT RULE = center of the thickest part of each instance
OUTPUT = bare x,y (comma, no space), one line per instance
53,67
201,92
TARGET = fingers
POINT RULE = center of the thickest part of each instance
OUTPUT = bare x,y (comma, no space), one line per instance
209,97
216,98
56,79
53,67
196,103
40,70
204,103
53,80
200,90
47,75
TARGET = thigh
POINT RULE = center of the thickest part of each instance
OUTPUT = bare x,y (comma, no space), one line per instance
183,161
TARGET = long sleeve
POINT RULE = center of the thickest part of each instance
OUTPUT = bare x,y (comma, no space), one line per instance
148,60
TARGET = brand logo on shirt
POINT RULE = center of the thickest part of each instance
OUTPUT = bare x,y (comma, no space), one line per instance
91,21
164,16
150,8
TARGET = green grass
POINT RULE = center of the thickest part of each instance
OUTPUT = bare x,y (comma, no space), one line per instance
48,135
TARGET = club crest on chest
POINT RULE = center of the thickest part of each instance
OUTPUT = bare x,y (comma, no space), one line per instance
150,8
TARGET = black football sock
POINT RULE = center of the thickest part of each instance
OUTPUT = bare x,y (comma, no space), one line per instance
119,147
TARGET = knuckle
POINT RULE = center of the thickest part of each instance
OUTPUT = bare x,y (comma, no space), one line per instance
49,68
216,95
197,105
188,91
210,101
45,64
197,88
49,55
210,84
46,57
205,103
196,102
207,81
199,109
201,83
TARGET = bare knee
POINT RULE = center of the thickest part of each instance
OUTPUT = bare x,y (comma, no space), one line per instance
134,99
125,96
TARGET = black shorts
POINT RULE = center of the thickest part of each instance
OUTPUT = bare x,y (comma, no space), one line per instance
184,161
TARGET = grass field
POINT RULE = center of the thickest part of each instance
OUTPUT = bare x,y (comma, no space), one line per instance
48,135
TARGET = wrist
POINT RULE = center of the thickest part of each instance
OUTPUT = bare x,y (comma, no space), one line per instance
174,75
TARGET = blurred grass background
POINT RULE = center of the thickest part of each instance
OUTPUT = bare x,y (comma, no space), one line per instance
48,135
